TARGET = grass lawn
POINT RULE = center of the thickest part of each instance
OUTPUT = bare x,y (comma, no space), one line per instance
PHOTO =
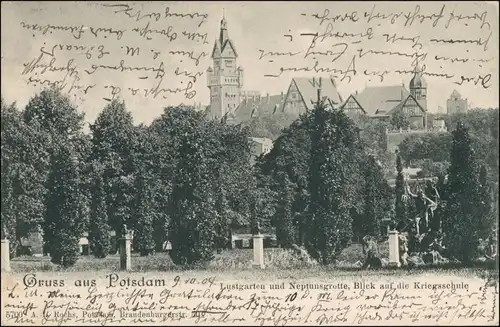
228,259
280,261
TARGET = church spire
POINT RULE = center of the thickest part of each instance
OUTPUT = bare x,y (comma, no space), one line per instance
223,29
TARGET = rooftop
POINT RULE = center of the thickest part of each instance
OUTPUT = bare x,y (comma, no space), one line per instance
258,106
377,100
308,89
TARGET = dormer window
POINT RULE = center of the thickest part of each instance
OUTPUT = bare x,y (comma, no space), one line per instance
229,63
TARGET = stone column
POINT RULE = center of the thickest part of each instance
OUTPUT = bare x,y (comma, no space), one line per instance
258,251
394,248
125,253
5,253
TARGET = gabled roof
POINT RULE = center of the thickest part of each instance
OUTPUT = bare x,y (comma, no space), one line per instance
403,103
381,99
308,89
229,43
354,99
258,106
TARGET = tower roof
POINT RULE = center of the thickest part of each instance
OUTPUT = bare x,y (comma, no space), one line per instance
455,95
418,81
223,42
216,52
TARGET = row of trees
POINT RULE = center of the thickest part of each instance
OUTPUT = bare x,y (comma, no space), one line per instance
326,184
182,178
188,179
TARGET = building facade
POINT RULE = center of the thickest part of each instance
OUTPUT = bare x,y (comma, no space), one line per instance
381,102
303,93
229,100
455,104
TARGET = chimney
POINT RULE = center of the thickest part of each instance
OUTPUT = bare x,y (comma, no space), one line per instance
314,81
282,96
267,98
319,82
356,92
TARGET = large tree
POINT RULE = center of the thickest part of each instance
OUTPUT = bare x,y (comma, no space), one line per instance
192,205
288,159
211,186
376,196
484,212
99,230
113,137
401,218
232,172
284,220
334,147
65,215
464,223
57,124
145,209
11,137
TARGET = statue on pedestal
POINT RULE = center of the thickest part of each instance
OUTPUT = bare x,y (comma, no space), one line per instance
425,206
4,232
372,254
124,231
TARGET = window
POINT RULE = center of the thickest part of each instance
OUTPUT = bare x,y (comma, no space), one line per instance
229,63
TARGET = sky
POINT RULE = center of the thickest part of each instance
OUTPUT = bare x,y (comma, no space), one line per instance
83,40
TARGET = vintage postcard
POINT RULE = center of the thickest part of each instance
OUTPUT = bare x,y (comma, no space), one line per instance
249,163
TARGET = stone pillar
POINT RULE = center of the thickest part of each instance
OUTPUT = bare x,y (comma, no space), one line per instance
258,251
5,253
417,221
394,248
125,253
